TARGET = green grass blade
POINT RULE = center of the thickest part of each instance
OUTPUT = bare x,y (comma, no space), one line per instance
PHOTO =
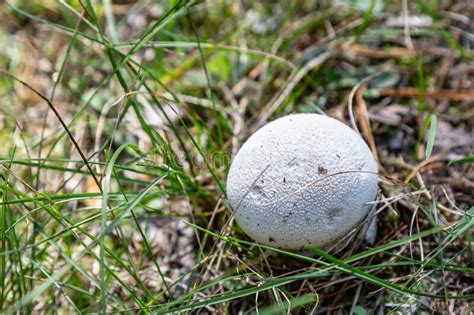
431,136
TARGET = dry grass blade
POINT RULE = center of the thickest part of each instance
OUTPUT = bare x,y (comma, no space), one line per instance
454,95
364,121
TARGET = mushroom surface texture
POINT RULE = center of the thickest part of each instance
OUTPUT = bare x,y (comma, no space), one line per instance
303,179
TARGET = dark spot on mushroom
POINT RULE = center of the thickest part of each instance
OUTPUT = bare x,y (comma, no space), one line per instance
338,156
284,179
333,213
293,163
257,189
322,170
271,239
289,214
262,181
258,224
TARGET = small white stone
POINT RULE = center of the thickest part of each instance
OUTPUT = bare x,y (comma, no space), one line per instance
302,180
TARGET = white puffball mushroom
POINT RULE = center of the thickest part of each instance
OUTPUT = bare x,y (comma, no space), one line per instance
303,179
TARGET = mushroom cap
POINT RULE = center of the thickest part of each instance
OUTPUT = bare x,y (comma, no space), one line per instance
303,179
